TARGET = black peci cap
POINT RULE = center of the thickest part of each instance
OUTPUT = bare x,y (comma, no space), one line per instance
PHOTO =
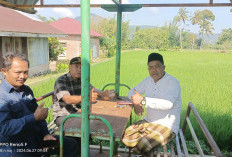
75,60
155,57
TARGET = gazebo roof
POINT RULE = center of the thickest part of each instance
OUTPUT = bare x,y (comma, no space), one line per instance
29,5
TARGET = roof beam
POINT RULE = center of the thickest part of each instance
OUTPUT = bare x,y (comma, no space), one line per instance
56,6
116,2
143,5
189,5
13,6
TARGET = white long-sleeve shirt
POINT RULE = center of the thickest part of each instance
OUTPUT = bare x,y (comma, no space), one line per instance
163,100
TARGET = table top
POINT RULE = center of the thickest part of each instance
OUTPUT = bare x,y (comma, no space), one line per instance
116,115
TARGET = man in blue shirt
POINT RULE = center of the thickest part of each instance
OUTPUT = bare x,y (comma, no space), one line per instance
23,129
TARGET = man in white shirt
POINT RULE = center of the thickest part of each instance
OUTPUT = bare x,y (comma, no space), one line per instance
163,103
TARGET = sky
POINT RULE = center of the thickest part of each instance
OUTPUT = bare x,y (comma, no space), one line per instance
145,16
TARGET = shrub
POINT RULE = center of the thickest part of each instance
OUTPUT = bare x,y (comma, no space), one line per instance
62,67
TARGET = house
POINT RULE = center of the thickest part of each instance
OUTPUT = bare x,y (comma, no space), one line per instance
21,34
72,43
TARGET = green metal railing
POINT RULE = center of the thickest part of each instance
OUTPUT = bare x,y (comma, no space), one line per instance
114,84
91,117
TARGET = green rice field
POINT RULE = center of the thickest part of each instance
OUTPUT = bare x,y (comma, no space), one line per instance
205,78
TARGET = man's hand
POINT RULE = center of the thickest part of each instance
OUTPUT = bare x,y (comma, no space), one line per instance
138,110
48,137
107,95
41,113
93,95
49,142
136,100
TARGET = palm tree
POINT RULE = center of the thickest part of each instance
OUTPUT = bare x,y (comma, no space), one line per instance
206,29
195,19
203,18
181,18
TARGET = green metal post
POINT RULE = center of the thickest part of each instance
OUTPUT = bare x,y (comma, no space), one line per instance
118,50
85,68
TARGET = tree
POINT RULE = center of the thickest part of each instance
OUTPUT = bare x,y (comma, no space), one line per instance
193,40
55,48
225,39
151,38
125,34
47,20
189,40
108,28
225,36
137,28
181,18
203,19
195,19
173,36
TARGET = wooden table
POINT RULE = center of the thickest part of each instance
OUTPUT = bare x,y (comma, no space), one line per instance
116,116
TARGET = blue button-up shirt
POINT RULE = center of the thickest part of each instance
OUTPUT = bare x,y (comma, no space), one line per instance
18,128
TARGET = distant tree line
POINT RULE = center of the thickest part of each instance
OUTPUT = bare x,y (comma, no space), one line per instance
170,36
225,39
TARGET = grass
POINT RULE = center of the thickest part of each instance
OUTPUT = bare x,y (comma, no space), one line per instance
42,88
205,78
